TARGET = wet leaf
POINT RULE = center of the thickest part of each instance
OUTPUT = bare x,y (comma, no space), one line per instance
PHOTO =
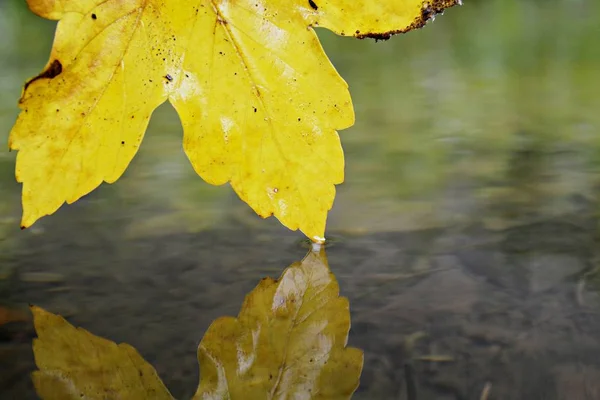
74,364
289,341
259,101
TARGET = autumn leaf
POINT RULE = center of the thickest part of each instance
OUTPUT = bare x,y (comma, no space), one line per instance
74,364
289,341
259,101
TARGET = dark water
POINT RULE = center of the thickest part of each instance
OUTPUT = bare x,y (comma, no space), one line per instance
466,233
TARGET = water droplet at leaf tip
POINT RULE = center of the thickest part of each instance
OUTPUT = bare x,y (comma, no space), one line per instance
317,243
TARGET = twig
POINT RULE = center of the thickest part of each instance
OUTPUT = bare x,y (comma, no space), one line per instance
486,391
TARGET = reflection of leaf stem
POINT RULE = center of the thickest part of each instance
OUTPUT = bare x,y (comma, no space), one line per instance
486,391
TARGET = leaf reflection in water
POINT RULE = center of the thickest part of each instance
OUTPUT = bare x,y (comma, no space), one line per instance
289,340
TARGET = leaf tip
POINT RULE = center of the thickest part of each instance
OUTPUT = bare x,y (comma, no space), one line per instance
318,240
25,223
36,310
27,218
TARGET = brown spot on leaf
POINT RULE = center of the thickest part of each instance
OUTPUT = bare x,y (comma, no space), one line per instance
53,70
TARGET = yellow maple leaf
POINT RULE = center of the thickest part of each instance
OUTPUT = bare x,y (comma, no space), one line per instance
289,341
259,101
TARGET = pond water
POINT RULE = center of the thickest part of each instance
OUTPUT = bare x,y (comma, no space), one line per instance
465,235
